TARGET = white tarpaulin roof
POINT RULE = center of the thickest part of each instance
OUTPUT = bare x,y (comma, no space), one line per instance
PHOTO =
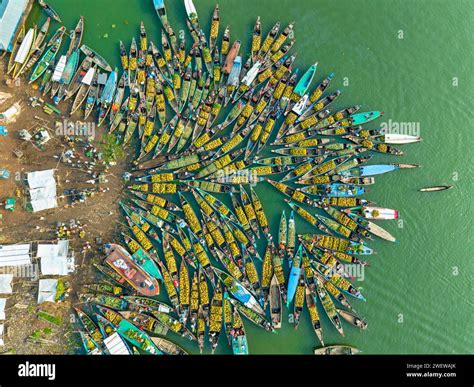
6,283
15,255
54,260
115,345
42,190
47,290
3,302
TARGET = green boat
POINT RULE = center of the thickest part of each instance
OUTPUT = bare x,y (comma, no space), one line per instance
130,332
303,84
46,60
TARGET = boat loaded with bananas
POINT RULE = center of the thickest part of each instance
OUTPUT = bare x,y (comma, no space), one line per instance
216,135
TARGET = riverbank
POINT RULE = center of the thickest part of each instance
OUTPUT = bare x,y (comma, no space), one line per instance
98,215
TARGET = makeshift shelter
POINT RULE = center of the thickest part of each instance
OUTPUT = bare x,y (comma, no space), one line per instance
15,255
3,303
42,190
115,345
54,258
47,290
6,283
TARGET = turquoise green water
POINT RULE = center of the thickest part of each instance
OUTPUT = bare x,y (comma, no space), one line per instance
423,280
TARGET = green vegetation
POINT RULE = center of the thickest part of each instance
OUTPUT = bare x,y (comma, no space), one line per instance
60,290
49,318
111,149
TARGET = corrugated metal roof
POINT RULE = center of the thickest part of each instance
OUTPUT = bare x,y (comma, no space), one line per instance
11,12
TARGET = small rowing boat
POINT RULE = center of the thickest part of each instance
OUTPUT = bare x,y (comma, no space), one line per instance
276,309
336,350
96,58
436,188
49,10
352,319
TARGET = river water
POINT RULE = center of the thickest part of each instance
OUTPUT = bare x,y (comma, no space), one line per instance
412,60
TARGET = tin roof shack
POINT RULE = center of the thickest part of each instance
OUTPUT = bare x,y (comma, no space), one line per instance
13,14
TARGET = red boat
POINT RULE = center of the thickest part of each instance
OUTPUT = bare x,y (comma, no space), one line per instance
121,261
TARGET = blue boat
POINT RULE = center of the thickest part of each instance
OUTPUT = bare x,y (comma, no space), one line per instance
303,84
378,169
238,336
294,276
363,118
239,292
334,190
107,96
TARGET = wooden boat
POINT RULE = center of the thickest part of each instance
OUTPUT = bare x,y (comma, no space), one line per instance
203,295
92,95
299,300
145,322
113,275
238,335
89,345
303,84
168,347
352,319
16,47
294,276
184,292
192,14
174,325
150,304
267,274
268,41
282,235
201,328
37,49
436,188
96,58
76,81
230,57
227,315
122,263
46,60
215,323
256,318
334,190
374,213
24,51
105,300
105,288
328,306
90,326
256,40
239,292
83,91
214,28
336,350
194,302
106,98
49,10
129,331
313,313
276,309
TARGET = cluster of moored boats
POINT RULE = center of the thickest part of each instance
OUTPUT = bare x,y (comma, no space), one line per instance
206,118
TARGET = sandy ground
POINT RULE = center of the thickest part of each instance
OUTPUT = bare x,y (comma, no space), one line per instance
98,215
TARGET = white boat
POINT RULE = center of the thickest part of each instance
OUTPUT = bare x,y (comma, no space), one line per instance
393,138
58,71
252,74
379,213
300,106
190,9
87,80
25,47
379,231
